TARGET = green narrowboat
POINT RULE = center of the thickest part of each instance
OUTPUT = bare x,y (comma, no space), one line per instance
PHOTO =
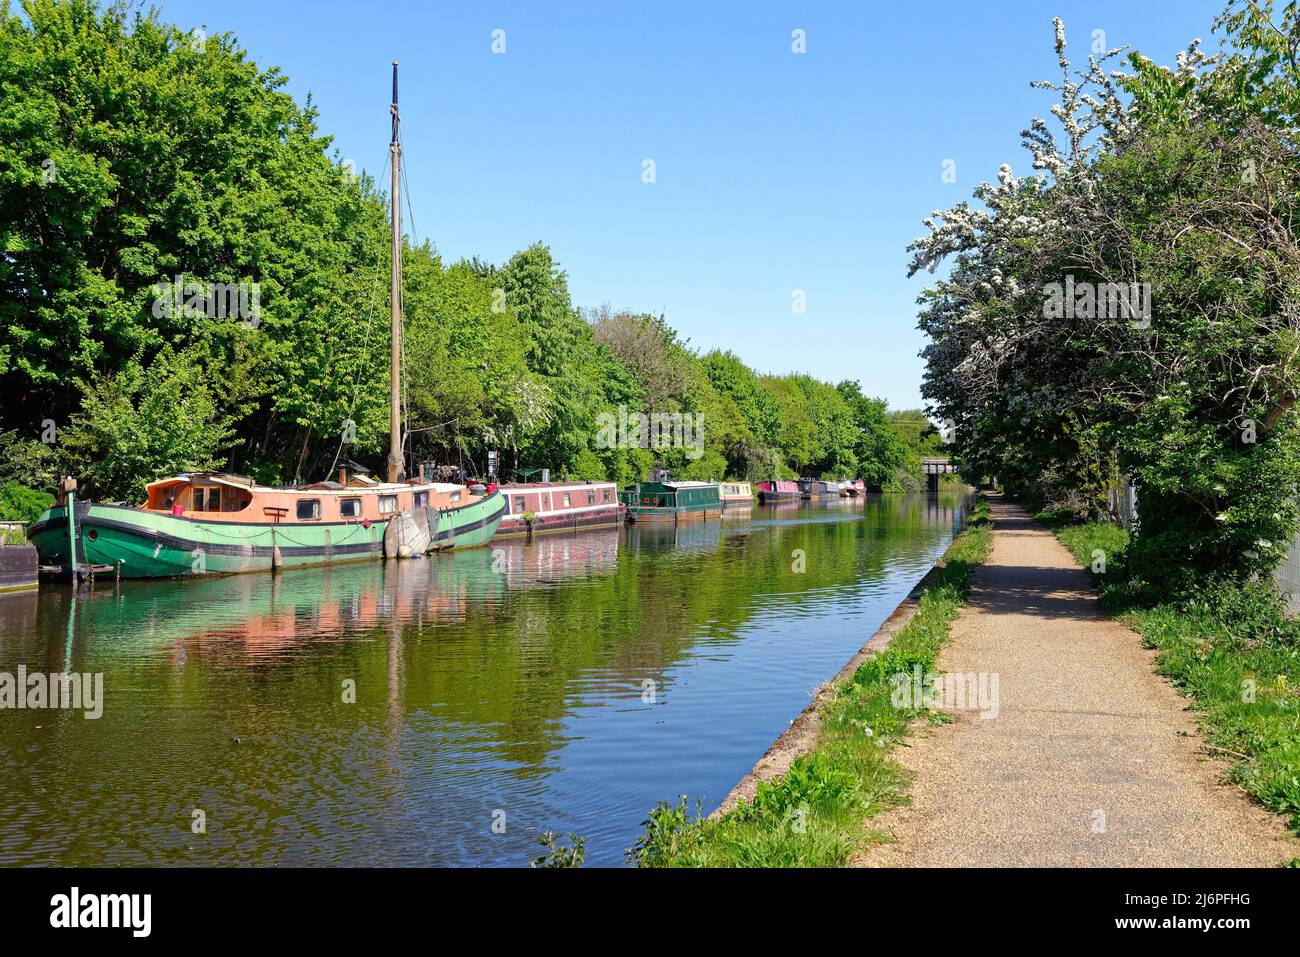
672,501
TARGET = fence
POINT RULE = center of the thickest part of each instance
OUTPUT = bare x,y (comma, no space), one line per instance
1123,506
1124,503
1287,577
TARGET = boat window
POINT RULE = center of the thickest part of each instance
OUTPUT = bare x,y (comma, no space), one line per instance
387,504
567,503
519,505
206,499
604,496
421,499
309,508
453,498
350,508
591,498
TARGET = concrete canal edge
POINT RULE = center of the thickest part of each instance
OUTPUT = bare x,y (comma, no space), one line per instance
801,737
17,568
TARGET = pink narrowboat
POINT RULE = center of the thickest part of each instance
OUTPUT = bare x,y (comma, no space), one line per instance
559,506
779,491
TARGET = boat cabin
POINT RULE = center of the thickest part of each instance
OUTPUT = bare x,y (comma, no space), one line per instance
736,493
679,496
217,496
542,497
774,490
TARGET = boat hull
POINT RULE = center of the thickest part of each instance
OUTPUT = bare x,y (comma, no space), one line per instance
513,526
638,513
148,544
765,496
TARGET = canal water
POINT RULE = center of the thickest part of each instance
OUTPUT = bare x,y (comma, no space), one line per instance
565,684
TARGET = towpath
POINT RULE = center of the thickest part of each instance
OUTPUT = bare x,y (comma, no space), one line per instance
1092,759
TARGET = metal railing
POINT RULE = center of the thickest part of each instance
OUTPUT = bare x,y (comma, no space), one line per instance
13,533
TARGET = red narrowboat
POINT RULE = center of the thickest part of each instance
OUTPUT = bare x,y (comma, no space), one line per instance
779,491
559,506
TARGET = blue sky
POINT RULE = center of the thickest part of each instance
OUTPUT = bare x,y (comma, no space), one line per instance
774,171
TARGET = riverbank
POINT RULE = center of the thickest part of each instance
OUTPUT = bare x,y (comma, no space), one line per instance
1089,759
804,803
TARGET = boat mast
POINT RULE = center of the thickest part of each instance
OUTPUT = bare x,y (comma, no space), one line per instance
394,409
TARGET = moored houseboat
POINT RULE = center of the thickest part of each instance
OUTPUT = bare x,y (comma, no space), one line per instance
672,501
736,495
217,523
854,488
557,506
779,490
817,488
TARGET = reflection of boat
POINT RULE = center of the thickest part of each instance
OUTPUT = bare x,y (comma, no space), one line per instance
557,557
736,495
211,522
257,616
672,501
552,506
779,491
675,539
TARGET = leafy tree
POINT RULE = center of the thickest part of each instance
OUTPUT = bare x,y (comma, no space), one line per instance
1182,196
139,424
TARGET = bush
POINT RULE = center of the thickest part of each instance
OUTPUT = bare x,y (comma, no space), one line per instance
21,504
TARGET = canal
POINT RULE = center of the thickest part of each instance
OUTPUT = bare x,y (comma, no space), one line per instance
565,684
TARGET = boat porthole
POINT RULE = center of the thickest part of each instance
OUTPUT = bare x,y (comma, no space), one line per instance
92,534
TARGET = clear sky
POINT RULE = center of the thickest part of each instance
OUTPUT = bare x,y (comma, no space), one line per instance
774,171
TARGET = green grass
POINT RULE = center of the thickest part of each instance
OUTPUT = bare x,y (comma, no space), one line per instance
1232,652
813,816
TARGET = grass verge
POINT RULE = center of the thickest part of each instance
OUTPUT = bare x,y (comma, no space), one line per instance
1232,652
813,815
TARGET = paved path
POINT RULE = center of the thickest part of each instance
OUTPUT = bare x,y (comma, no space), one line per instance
1085,728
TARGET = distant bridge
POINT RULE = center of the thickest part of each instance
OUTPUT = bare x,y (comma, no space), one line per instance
933,468
938,467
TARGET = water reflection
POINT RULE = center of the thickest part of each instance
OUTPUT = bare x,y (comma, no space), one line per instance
512,679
